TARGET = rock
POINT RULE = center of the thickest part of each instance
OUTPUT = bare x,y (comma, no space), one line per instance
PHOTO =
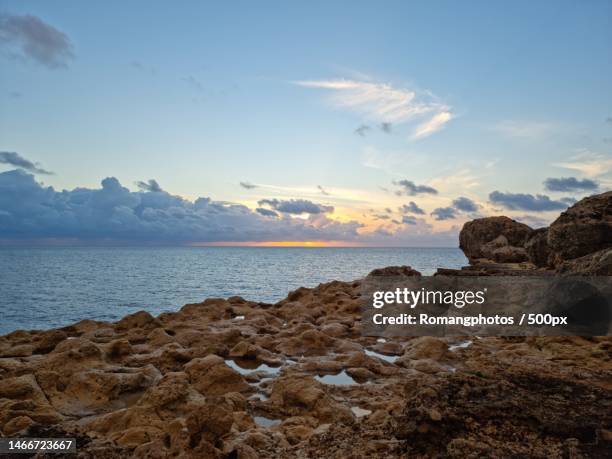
17,424
537,247
584,228
594,264
394,271
210,421
509,254
211,376
484,233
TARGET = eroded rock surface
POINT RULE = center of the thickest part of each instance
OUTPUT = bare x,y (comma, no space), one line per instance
234,378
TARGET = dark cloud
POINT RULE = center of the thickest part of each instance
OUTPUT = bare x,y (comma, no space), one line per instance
519,201
112,213
381,217
609,119
362,130
464,204
247,185
409,188
30,37
386,127
411,208
266,212
409,220
444,213
295,206
150,185
15,94
322,190
16,160
388,210
569,184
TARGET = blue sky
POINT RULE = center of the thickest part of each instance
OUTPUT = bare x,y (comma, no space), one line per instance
478,97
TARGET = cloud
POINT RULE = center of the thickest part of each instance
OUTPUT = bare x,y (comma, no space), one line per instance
16,160
411,208
464,204
15,94
409,220
32,38
588,163
444,213
193,83
150,185
432,125
386,127
322,190
384,103
247,185
520,201
362,130
112,213
410,189
569,201
569,184
295,206
266,212
524,129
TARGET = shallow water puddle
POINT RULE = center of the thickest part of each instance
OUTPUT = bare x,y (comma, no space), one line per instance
360,412
339,379
386,358
266,422
462,345
247,367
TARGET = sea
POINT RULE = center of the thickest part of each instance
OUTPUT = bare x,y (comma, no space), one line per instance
49,287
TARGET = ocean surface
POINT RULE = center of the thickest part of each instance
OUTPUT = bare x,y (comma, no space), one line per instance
42,288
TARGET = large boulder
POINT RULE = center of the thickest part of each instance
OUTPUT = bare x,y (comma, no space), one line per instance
584,228
494,238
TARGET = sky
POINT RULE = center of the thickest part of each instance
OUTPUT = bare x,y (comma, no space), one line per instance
278,123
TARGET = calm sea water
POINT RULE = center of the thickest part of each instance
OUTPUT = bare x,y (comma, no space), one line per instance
50,287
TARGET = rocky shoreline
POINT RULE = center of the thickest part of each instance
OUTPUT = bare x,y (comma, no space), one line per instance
232,378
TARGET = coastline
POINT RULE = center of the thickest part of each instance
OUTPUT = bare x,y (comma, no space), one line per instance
236,378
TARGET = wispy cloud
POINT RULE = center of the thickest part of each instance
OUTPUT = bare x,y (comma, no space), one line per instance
386,104
29,37
524,129
588,163
16,160
435,123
